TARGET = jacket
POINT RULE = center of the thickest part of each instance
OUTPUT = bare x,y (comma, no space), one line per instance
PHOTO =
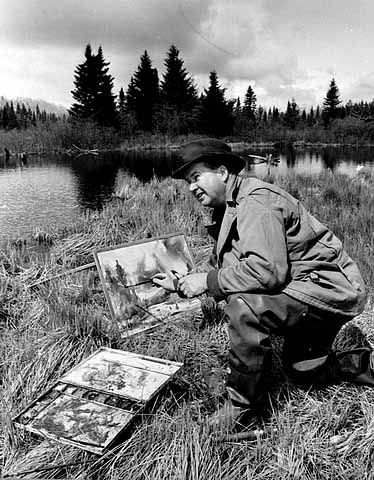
266,241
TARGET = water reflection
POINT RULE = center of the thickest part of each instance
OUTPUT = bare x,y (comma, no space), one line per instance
330,158
290,157
36,192
95,179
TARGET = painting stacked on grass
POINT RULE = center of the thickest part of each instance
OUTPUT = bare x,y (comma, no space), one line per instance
97,399
126,272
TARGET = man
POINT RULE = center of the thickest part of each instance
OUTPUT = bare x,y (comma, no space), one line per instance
280,270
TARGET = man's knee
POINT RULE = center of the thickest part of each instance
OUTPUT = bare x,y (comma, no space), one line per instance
272,311
238,311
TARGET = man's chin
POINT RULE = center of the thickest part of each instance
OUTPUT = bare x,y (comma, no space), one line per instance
205,201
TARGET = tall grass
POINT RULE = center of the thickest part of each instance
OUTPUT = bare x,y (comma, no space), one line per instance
63,136
47,329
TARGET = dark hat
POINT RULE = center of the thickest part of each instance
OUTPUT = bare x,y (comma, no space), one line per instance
211,150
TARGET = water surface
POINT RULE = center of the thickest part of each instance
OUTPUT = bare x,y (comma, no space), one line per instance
52,191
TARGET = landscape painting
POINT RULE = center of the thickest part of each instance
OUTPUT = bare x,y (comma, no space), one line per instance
126,271
89,425
122,373
97,399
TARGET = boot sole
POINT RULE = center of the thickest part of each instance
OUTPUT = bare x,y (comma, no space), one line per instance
245,435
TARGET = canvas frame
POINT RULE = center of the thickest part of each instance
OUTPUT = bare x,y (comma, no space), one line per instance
193,303
122,417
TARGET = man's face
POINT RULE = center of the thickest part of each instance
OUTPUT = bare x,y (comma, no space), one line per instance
208,185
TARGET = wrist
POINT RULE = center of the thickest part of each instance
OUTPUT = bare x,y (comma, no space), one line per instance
205,281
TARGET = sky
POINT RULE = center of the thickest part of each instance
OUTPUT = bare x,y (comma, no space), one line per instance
283,48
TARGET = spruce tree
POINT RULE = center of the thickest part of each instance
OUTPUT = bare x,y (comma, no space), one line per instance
249,108
12,117
178,91
106,113
93,90
5,118
130,123
292,114
121,107
24,116
145,93
311,117
216,114
130,98
330,109
85,88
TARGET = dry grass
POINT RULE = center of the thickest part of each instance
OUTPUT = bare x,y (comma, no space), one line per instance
46,330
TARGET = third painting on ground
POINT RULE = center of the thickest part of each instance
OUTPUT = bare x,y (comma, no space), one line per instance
126,271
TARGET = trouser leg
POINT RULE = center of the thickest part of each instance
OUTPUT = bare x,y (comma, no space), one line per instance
252,318
309,334
309,357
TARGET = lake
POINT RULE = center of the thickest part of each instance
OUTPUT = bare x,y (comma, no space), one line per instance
53,190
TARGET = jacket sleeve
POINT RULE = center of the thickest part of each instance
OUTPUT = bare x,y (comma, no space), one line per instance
261,243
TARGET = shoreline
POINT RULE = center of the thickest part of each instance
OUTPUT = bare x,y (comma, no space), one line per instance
167,144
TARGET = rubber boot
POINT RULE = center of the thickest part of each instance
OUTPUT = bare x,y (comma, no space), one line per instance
357,366
234,420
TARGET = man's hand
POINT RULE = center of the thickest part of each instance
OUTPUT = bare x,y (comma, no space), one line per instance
193,285
167,281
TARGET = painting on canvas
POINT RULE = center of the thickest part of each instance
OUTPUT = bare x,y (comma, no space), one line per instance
98,399
126,271
80,422
122,373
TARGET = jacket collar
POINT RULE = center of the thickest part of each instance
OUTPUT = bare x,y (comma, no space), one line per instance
232,190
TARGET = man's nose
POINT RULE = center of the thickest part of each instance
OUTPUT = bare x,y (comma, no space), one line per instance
192,186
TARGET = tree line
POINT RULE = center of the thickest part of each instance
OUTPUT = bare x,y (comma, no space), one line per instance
172,105
22,117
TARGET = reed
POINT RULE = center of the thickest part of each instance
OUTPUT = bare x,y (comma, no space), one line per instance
47,329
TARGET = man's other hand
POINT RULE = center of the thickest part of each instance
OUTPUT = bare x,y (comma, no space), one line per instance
166,281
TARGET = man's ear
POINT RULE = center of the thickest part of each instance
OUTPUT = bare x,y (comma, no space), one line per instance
223,171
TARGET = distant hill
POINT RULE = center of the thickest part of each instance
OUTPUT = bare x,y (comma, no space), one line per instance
48,107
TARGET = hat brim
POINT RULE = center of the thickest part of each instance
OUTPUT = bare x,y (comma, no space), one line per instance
235,162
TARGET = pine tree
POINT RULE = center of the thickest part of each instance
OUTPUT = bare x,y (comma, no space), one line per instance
238,107
12,117
5,118
130,122
131,95
249,108
216,116
24,116
178,91
145,93
121,107
311,117
275,114
176,112
85,88
93,90
106,113
331,103
291,115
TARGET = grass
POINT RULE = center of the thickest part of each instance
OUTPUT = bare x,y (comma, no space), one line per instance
321,434
65,136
